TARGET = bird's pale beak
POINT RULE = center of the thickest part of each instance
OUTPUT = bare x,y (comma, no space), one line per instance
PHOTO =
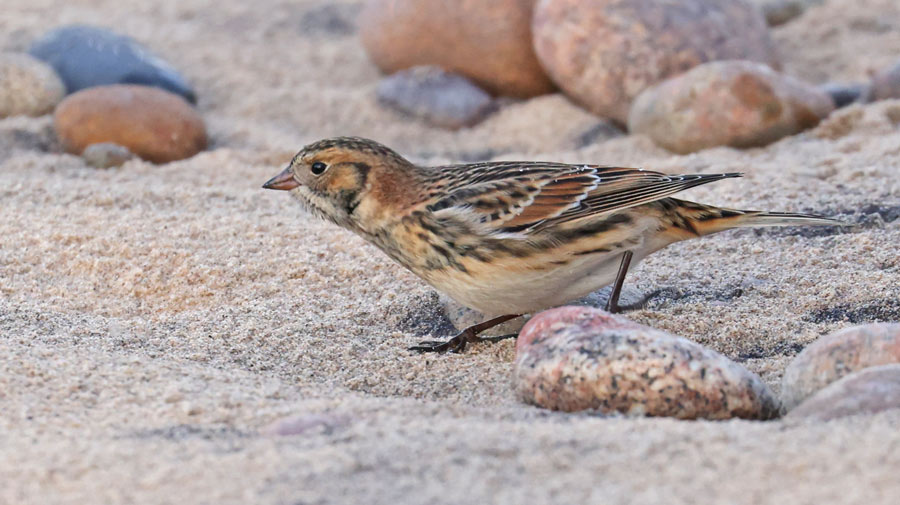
284,181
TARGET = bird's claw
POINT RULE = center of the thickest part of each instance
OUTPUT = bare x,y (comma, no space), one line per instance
456,344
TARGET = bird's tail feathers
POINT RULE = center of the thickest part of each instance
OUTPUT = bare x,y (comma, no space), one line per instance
705,219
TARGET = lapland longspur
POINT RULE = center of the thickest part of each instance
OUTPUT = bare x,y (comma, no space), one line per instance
507,237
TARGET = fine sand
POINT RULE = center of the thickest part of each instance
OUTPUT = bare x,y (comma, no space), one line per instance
156,320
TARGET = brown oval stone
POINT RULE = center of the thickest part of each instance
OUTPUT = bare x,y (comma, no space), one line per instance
154,124
727,103
488,42
869,391
603,53
578,358
839,354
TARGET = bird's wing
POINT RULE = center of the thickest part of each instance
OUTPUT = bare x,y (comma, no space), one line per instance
528,196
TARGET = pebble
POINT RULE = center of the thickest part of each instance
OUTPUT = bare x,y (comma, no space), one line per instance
153,124
488,42
727,103
106,155
869,391
843,94
839,354
603,53
779,12
87,56
438,97
28,86
581,358
886,84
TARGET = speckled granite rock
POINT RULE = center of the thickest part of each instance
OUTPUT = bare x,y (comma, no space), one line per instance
869,391
488,42
87,56
727,103
603,53
154,124
436,96
579,358
839,354
28,86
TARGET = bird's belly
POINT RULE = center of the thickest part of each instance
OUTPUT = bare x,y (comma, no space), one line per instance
528,290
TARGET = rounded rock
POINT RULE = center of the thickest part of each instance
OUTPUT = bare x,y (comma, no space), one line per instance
28,86
603,53
154,124
869,391
438,97
106,155
727,103
886,84
839,354
87,56
488,42
579,358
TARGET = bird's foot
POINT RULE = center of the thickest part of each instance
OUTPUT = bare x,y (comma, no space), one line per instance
456,344
470,334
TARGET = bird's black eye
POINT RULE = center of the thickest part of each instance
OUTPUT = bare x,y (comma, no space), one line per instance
318,168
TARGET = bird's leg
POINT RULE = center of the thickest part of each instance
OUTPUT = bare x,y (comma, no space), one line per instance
458,343
612,305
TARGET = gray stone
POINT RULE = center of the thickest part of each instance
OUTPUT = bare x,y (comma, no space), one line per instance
843,94
440,98
88,56
106,155
886,84
779,12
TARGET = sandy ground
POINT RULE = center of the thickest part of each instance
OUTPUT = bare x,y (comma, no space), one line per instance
154,320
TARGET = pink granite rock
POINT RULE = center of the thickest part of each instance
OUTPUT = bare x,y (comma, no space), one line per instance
581,358
603,53
869,391
727,103
839,354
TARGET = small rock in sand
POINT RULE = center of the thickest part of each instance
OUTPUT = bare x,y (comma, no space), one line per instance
106,155
727,103
779,12
154,124
579,358
869,391
839,354
843,94
440,98
28,86
886,84
603,53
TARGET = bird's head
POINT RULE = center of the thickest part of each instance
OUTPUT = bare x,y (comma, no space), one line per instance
332,177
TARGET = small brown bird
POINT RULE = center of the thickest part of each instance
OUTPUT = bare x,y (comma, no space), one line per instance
507,237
